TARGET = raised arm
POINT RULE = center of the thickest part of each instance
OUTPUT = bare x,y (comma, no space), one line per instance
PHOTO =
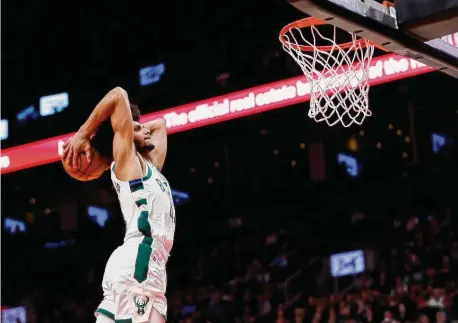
115,105
159,139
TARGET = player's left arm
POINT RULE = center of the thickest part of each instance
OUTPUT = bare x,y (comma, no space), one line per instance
159,139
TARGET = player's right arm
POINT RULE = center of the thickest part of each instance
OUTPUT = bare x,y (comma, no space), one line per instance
115,105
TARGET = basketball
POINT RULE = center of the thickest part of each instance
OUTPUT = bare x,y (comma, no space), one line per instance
88,171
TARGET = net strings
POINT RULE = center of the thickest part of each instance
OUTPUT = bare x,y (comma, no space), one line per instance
339,78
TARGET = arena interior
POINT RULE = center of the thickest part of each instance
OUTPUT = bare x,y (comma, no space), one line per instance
266,199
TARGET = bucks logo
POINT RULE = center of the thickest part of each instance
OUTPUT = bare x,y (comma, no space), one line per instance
140,302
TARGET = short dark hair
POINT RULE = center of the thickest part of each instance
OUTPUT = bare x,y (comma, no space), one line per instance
103,139
135,112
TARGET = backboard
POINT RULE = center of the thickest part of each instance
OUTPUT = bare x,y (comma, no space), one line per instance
377,22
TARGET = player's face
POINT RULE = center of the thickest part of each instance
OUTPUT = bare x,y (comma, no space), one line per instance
142,137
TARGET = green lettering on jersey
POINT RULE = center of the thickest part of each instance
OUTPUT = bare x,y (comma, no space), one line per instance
165,188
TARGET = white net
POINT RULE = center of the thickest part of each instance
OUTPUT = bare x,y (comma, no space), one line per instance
338,75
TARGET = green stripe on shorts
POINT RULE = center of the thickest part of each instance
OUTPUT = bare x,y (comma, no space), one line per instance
106,313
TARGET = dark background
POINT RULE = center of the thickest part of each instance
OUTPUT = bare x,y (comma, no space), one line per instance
256,169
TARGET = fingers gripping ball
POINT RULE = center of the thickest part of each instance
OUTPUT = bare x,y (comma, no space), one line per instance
88,171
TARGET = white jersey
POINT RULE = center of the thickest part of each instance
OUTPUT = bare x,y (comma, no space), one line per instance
147,207
138,266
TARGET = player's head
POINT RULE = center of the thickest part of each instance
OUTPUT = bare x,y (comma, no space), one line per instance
103,140
142,136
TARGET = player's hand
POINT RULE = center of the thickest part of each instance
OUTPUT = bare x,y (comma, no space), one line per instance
74,147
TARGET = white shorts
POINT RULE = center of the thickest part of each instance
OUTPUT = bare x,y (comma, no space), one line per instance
132,286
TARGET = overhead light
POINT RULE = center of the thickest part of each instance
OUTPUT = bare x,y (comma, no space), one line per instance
352,144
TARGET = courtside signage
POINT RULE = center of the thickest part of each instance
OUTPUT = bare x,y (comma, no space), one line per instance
239,104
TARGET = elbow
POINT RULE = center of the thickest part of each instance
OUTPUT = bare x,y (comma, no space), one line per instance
114,99
120,90
162,125
118,93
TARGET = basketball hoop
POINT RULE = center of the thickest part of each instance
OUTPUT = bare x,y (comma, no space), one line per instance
338,73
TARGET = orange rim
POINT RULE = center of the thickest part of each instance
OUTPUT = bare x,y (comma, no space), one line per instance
312,21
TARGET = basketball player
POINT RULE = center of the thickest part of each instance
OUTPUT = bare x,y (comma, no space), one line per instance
134,282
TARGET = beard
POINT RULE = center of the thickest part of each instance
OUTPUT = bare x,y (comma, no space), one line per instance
146,148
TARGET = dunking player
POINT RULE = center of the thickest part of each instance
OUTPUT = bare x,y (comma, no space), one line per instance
134,282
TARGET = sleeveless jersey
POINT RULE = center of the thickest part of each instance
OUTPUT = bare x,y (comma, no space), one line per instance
149,214
147,206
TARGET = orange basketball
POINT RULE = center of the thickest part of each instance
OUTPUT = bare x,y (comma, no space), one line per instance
88,171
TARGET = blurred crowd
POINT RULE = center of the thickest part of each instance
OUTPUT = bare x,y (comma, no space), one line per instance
256,276
415,281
